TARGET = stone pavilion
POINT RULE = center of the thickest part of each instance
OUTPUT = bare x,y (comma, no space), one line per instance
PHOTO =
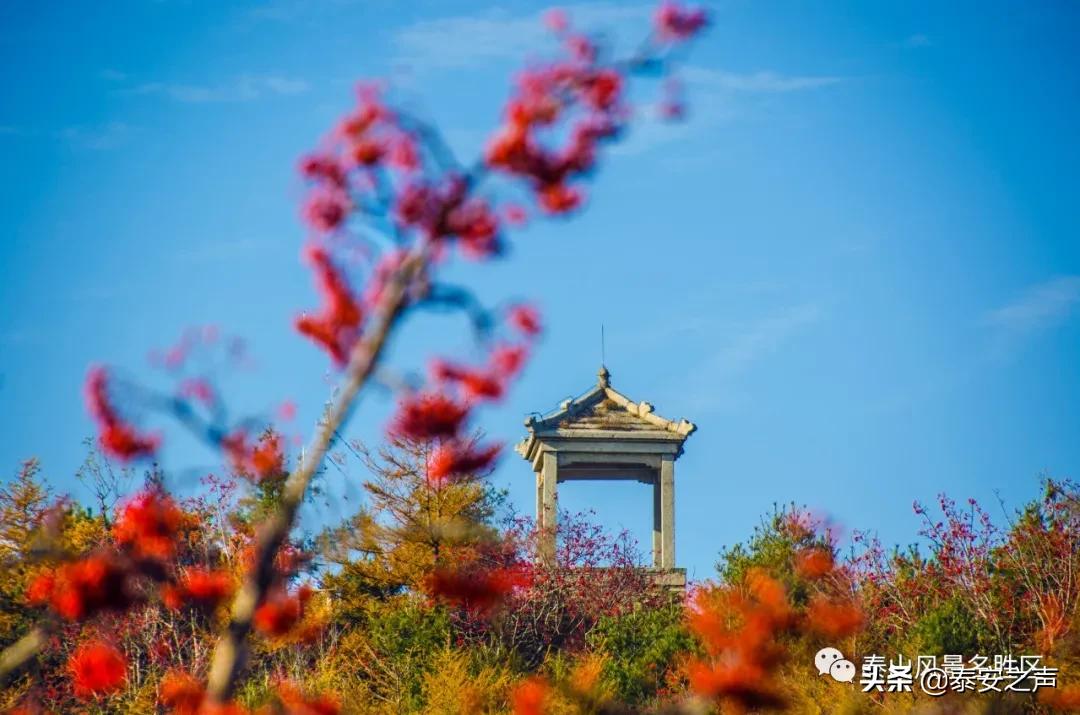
604,435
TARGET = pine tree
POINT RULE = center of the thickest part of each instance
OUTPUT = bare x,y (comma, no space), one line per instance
411,524
23,505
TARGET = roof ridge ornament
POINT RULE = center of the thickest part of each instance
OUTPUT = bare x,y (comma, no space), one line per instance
603,377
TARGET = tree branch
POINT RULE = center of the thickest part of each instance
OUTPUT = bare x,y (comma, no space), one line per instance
230,653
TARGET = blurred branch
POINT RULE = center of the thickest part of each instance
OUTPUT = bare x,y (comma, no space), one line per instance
451,297
229,655
19,653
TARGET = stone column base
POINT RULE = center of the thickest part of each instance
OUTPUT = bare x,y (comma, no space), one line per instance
671,579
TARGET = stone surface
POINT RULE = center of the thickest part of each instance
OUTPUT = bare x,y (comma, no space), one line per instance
674,579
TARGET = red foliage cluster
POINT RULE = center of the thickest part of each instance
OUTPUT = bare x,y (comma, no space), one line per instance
326,208
530,697
477,589
367,138
451,459
490,381
544,96
814,563
1065,699
1009,581
97,668
428,415
116,436
288,561
281,611
741,625
199,587
175,357
739,633
434,416
526,318
82,588
296,703
267,458
181,693
337,325
964,542
147,525
508,359
263,460
197,389
442,210
374,138
832,618
591,575
676,23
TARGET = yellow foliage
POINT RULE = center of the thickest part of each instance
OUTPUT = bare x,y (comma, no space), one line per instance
138,700
82,532
352,669
454,687
585,677
409,526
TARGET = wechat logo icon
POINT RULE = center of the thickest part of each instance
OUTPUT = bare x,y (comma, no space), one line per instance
830,661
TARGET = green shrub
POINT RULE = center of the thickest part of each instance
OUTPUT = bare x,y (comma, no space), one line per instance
773,547
950,628
406,638
642,648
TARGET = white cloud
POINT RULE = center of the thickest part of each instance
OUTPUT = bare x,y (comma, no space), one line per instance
108,135
761,338
715,97
715,381
242,89
1040,306
472,40
285,85
760,82
99,138
500,38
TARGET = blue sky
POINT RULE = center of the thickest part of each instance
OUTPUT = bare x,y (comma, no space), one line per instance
855,266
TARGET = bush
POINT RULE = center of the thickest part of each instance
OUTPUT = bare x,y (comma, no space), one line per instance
774,546
404,640
951,628
642,649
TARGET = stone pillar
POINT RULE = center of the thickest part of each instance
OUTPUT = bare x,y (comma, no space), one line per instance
657,524
667,511
540,499
549,478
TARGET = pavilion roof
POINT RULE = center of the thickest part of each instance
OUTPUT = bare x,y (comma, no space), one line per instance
604,412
